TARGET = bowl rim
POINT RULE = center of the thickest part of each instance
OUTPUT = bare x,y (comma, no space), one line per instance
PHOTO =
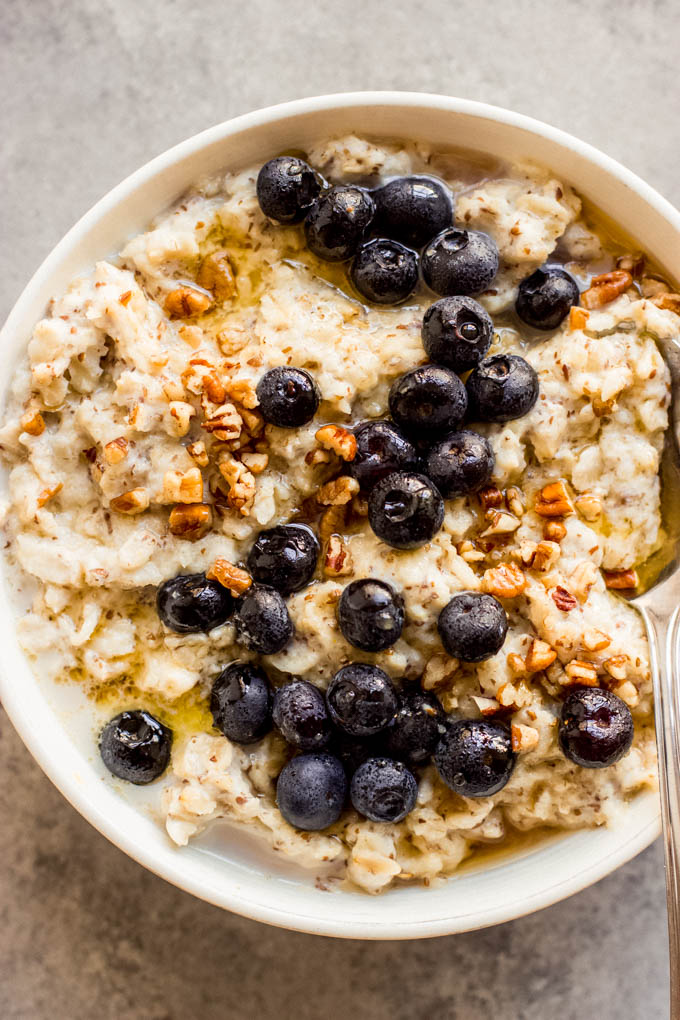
71,786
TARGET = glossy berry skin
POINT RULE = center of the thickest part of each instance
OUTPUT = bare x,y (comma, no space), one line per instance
405,510
311,791
336,223
381,450
413,209
361,699
262,621
460,463
384,272
301,716
475,757
417,729
190,603
371,614
501,388
545,297
241,703
383,790
287,188
460,262
284,557
457,332
428,401
288,397
596,727
472,626
135,747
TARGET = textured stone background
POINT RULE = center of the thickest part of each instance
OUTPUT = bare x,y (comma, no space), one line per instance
94,88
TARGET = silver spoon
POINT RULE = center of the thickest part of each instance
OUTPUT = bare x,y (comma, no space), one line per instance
659,606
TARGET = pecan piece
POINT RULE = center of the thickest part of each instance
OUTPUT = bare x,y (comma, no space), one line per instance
605,288
116,451
191,520
339,440
186,302
563,599
230,576
670,302
501,522
617,666
523,738
554,531
47,494
338,561
580,672
506,581
333,521
553,501
225,424
621,580
182,486
489,497
540,656
578,317
338,492
133,502
33,423
198,452
589,506
216,274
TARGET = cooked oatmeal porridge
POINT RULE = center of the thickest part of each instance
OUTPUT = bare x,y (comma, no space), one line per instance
430,654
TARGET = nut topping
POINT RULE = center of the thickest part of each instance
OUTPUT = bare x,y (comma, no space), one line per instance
578,317
338,560
339,440
225,424
524,738
216,274
617,666
563,599
554,531
490,497
580,672
186,302
116,451
229,576
182,487
33,423
621,580
190,520
589,506
553,501
133,502
605,288
506,581
540,656
338,492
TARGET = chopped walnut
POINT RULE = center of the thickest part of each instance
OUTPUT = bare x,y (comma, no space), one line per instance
225,424
514,695
438,671
182,486
628,693
554,531
333,521
133,502
47,494
253,422
33,423
517,663
523,738
582,579
540,656
500,523
181,413
490,497
505,581
315,457
241,483
617,666
116,451
605,288
469,552
255,462
580,672
198,452
339,440
338,491
589,506
186,302
229,576
595,640
545,556
578,317
563,599
216,274
553,501
486,706
513,499
213,392
621,580
338,560
190,520
243,392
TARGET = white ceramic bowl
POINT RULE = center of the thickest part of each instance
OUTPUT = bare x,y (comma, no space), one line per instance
54,724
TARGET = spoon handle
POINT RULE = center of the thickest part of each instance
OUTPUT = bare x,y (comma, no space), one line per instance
663,631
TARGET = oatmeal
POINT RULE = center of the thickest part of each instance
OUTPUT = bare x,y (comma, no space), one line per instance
238,484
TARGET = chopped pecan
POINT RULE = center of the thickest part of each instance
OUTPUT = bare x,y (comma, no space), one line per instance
514,695
338,439
540,656
582,579
652,286
230,576
506,581
501,522
116,451
243,392
337,561
333,521
517,663
513,500
213,390
670,302
553,501
186,302
182,486
523,738
580,672
486,706
33,423
338,492
621,580
632,263
225,424
198,452
563,599
589,506
605,288
545,556
47,494
628,693
255,462
191,520
554,531
578,317
595,640
489,497
315,457
241,483
133,502
469,552
216,274
181,413
191,335
173,390
438,671
617,666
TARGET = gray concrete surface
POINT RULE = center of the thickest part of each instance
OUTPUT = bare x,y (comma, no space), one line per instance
93,88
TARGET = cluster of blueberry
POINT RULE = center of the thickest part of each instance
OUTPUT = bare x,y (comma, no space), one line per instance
363,737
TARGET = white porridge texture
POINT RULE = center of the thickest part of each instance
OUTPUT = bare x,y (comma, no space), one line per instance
136,452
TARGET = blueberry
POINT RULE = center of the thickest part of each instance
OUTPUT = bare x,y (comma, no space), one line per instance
417,729
381,450
189,603
371,614
361,699
413,209
461,463
354,751
472,626
460,262
135,746
262,621
545,297
286,188
383,790
596,727
475,757
428,401
405,510
502,388
311,791
457,332
284,557
384,271
336,223
300,714
241,703
288,397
